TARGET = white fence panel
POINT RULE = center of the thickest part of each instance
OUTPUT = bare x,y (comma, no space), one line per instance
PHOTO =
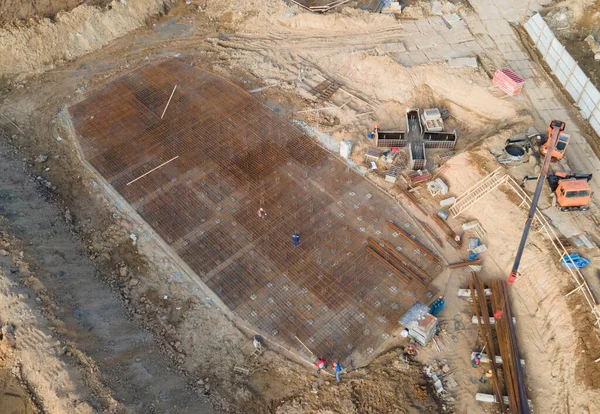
576,83
566,70
569,61
563,72
589,100
595,121
535,25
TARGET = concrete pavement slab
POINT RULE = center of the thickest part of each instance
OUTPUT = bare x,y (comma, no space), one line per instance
505,39
404,59
512,56
462,62
409,27
438,53
486,42
458,36
418,57
410,45
463,49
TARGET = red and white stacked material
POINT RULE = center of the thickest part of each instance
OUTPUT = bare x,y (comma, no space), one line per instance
416,177
508,81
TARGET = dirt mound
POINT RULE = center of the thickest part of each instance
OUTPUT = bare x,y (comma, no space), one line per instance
11,10
82,30
388,385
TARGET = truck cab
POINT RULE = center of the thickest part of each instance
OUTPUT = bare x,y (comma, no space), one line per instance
572,191
561,146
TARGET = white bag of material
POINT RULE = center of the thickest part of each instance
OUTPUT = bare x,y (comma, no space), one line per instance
346,148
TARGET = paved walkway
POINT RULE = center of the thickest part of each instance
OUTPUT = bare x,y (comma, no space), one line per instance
436,38
491,27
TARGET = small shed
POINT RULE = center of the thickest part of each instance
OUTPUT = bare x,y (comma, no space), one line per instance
420,323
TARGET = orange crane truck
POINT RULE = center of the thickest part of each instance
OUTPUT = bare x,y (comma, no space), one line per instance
571,192
561,144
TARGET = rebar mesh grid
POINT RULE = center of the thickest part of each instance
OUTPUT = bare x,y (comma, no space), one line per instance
235,155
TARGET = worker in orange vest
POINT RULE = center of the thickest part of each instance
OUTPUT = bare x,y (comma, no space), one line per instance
487,376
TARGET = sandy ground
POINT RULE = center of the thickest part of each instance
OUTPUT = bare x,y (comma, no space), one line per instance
553,339
18,11
116,331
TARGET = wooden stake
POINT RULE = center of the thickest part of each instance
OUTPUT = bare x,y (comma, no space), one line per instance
168,102
153,169
15,125
305,347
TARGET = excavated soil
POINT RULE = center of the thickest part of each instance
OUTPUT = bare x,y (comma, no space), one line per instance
12,11
571,22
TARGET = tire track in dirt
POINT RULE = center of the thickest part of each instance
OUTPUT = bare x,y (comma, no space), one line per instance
89,315
38,360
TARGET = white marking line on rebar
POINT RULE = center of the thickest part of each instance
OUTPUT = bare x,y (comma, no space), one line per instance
168,102
153,169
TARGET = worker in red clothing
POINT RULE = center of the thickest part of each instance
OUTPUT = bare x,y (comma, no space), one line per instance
476,361
262,213
321,363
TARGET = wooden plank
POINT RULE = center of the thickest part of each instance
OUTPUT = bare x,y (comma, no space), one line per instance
465,264
241,370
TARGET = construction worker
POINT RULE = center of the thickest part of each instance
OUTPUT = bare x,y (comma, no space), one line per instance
258,342
411,351
296,239
476,360
321,363
487,376
338,370
262,213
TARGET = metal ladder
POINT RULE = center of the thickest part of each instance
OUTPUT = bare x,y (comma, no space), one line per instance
478,191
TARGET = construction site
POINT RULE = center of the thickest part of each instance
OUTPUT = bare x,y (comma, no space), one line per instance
299,206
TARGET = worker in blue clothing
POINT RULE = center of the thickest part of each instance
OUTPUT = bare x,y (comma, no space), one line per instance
296,239
338,370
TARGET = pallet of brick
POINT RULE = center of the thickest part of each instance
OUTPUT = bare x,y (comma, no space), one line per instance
508,81
372,154
393,173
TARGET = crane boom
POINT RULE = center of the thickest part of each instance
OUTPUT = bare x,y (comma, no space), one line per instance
557,127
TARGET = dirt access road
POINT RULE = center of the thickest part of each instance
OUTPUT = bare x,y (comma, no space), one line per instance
119,365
